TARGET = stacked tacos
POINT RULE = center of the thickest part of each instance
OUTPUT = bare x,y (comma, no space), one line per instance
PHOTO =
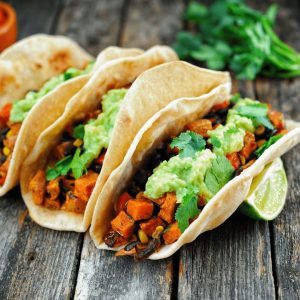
72,159
190,166
38,76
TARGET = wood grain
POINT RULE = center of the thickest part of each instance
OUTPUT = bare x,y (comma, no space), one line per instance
93,24
102,275
152,22
35,261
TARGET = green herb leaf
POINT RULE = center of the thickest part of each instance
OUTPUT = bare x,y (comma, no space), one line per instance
78,132
267,144
235,98
188,143
187,210
218,174
78,165
62,167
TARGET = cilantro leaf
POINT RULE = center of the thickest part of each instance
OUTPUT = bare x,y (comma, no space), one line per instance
235,98
267,144
78,165
78,132
62,167
257,113
188,209
218,174
188,143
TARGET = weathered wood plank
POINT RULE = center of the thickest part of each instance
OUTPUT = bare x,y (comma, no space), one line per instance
232,261
94,24
35,16
284,95
102,275
152,22
36,263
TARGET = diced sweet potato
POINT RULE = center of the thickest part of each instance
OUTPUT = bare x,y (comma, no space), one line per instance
37,187
276,118
122,201
52,203
74,204
234,159
53,188
123,252
61,149
219,106
123,224
172,234
167,209
85,185
68,184
114,239
200,126
150,225
201,201
4,169
249,145
140,209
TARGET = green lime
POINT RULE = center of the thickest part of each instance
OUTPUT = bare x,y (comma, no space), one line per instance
267,193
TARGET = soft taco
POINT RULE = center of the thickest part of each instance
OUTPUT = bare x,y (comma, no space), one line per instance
60,180
43,72
188,168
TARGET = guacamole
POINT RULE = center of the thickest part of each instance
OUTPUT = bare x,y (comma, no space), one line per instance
21,108
97,132
180,175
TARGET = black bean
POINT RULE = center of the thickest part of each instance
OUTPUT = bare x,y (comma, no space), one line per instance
268,133
141,178
70,150
111,238
237,172
96,168
133,189
3,132
2,159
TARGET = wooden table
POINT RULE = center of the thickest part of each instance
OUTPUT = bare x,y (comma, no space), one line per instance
242,259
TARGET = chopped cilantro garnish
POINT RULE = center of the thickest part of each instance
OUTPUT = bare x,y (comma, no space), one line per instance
257,112
218,174
62,167
215,142
78,131
188,209
77,165
235,98
188,143
267,144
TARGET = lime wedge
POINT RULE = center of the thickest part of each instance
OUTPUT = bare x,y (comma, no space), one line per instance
267,193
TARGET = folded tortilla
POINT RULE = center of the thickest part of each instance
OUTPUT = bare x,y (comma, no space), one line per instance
191,103
136,109
52,105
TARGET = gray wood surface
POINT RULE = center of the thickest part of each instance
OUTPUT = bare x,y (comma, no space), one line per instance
242,259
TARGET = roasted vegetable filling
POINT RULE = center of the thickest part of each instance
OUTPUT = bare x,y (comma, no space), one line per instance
182,175
12,115
69,178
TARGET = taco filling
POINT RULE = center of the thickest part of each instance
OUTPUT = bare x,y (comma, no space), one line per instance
181,176
13,114
69,178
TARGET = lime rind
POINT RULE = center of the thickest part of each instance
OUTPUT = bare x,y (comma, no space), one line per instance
267,194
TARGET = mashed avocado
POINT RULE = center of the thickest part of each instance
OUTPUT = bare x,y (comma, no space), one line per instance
22,107
235,120
231,139
180,175
97,132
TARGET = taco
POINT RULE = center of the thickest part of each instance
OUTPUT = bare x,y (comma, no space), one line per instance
188,168
44,72
60,179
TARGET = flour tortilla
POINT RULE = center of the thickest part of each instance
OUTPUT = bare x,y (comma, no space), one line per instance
30,62
171,121
49,108
135,110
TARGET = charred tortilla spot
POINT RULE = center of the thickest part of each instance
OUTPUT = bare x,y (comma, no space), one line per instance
60,61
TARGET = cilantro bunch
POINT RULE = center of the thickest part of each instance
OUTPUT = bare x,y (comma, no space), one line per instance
231,34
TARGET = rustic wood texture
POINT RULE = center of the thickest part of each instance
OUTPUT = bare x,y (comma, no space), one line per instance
94,24
242,259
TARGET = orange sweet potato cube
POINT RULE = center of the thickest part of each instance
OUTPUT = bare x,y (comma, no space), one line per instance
150,225
123,224
140,209
172,234
167,209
